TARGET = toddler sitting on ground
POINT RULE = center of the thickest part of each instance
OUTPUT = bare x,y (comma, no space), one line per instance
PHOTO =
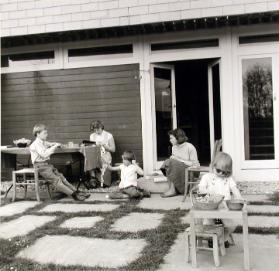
128,185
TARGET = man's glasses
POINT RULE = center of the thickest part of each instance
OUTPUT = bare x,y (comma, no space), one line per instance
223,172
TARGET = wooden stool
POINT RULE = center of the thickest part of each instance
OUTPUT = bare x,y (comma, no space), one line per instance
216,233
35,181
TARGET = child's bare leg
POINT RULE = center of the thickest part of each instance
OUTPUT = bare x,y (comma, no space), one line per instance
229,228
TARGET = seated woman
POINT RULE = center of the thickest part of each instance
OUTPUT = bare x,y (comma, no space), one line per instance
105,140
184,155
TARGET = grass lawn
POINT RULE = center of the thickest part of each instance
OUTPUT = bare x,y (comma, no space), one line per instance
159,240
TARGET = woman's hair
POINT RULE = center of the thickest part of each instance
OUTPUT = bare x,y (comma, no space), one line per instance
179,134
128,155
223,161
96,125
38,128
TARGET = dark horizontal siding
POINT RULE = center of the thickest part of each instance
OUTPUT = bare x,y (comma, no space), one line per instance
68,100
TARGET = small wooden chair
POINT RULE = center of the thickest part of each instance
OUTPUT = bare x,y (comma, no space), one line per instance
205,233
28,181
190,179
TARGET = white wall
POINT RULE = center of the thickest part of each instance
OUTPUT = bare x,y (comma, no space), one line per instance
21,17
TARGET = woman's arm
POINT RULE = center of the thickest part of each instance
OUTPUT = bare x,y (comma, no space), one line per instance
110,146
186,162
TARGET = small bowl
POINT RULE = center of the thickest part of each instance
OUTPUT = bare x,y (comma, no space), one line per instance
235,205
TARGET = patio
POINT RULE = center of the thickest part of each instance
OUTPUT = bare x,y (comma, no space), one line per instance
103,234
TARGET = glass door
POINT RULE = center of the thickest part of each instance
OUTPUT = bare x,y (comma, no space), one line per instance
259,107
164,103
214,100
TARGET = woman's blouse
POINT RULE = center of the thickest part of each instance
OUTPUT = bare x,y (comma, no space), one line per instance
106,139
103,138
187,152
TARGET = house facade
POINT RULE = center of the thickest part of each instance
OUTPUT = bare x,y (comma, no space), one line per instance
143,68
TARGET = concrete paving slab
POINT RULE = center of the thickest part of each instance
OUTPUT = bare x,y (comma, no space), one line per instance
259,198
263,221
17,207
80,222
158,203
76,208
135,222
265,209
90,252
23,225
264,250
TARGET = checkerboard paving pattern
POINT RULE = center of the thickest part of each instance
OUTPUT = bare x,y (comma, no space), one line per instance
75,238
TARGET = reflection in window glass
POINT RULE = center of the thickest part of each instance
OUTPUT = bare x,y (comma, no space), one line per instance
28,59
163,107
258,108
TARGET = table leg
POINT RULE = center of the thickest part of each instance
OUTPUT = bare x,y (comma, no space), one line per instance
193,240
186,184
245,241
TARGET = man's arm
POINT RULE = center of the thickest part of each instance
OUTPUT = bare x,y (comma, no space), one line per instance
45,153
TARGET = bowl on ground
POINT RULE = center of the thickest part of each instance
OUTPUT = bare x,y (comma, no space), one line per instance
235,205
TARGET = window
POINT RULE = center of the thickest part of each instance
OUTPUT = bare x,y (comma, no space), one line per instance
258,108
259,38
82,54
185,44
27,59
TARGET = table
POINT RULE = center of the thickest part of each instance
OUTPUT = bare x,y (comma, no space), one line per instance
221,214
9,155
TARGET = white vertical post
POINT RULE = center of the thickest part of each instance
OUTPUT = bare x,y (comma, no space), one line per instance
146,107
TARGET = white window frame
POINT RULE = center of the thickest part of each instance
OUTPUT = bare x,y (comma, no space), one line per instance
102,60
246,51
58,58
252,164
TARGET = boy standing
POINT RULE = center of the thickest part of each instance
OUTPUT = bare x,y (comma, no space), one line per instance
40,154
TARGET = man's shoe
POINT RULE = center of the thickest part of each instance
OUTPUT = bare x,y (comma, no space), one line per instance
84,194
146,194
78,197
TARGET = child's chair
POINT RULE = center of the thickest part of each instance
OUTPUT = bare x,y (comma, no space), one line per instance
192,174
205,233
33,179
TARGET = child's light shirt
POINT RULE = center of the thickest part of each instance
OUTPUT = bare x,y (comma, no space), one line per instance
212,184
128,176
40,151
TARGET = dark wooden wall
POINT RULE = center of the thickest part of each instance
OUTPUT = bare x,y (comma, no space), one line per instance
68,100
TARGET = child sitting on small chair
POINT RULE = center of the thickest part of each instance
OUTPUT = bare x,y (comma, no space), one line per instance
221,182
41,150
128,185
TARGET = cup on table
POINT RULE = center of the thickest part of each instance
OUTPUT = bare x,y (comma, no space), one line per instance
70,144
